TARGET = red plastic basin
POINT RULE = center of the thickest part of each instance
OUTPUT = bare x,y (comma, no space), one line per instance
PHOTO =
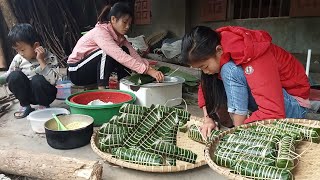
114,97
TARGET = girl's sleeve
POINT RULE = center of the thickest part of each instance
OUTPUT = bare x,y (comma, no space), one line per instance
104,40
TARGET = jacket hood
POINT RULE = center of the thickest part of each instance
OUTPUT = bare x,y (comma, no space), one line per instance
242,45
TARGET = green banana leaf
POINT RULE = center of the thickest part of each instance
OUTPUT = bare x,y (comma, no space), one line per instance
138,156
171,138
150,120
191,83
114,120
110,141
183,115
108,128
159,130
171,135
232,138
311,134
257,135
164,69
277,131
257,171
285,153
172,151
195,134
228,158
186,76
133,109
130,120
141,79
255,151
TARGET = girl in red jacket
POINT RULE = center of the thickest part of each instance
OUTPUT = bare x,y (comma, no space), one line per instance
243,70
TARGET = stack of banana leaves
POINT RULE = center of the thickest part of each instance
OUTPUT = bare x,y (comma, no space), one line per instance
145,136
141,79
263,152
183,115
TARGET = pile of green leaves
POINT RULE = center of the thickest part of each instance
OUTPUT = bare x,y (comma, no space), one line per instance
264,152
132,135
141,79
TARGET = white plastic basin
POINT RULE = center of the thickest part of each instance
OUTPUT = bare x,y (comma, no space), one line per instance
39,117
156,93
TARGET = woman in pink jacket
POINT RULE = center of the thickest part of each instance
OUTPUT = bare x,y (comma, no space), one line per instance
104,50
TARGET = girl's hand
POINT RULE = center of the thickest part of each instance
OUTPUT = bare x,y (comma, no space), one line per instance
207,126
158,75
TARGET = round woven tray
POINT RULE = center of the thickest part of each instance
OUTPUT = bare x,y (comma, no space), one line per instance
182,141
307,168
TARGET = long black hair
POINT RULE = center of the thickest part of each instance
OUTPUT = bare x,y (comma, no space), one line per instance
199,45
118,10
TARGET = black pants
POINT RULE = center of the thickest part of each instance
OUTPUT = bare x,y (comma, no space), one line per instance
96,69
35,91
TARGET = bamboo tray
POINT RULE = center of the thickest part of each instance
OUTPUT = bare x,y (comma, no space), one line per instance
182,141
307,168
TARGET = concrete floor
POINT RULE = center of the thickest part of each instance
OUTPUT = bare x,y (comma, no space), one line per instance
17,134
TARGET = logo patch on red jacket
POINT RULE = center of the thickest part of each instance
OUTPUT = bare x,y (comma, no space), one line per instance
249,70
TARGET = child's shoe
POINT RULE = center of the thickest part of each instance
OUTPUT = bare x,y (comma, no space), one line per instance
23,112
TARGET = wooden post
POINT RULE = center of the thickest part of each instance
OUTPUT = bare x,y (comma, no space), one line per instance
10,19
48,166
3,63
7,13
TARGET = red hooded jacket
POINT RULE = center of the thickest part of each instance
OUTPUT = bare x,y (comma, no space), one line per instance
272,68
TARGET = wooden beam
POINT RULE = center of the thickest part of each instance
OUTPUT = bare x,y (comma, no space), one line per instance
48,166
260,6
3,63
280,8
241,9
270,8
10,19
7,13
250,9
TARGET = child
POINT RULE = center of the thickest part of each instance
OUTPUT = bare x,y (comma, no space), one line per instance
104,50
33,72
242,69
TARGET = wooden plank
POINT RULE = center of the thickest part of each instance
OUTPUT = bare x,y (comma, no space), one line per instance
48,166
300,8
213,10
270,8
142,12
260,6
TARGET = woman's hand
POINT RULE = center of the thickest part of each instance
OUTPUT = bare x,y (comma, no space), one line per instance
158,75
207,126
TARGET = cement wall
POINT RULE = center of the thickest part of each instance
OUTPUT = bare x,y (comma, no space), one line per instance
296,35
293,34
166,15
